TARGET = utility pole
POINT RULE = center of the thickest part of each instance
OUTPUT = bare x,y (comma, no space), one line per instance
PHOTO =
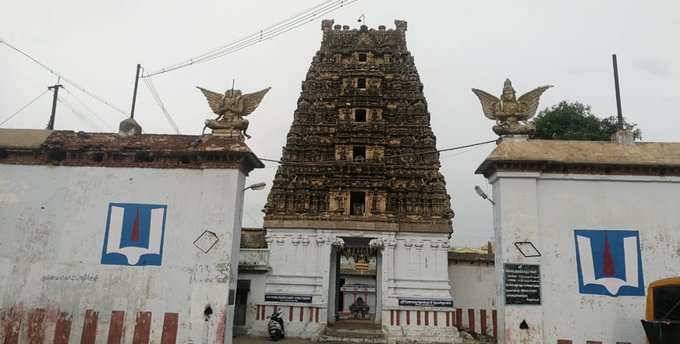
134,94
618,92
55,88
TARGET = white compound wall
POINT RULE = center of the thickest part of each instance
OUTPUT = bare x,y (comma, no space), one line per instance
53,222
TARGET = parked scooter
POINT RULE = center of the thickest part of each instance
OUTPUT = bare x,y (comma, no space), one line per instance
275,326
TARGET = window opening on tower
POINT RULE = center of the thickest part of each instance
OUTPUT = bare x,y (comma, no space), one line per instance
361,83
359,153
360,115
357,200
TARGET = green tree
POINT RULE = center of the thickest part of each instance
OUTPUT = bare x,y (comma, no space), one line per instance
575,121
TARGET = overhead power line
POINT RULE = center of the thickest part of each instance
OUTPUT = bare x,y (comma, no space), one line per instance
78,114
156,96
88,109
390,156
22,108
69,81
272,31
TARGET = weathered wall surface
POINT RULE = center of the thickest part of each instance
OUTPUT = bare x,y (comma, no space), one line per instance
473,287
546,209
53,221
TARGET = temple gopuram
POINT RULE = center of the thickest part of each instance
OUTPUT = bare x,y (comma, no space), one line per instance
358,219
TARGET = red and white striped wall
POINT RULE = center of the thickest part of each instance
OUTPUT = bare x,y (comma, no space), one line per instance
289,313
39,325
480,321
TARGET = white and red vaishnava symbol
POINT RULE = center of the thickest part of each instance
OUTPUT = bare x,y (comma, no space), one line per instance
609,262
134,234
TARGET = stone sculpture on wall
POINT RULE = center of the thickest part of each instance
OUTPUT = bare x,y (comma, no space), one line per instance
509,112
230,109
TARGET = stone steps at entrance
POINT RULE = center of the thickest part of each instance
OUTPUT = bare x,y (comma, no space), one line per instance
353,332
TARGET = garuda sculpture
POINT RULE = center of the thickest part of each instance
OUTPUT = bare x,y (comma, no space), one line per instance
230,108
509,112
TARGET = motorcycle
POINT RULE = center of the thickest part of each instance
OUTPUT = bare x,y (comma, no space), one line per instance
275,326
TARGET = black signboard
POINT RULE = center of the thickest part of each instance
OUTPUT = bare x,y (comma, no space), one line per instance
522,284
425,303
288,298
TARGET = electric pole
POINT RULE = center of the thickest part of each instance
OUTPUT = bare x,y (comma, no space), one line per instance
134,94
55,88
618,91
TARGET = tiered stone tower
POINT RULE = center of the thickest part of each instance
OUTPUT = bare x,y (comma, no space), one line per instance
359,186
360,153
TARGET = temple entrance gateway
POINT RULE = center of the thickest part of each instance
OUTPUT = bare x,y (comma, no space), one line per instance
356,267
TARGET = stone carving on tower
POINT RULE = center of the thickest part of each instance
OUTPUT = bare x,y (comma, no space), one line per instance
230,109
509,112
360,153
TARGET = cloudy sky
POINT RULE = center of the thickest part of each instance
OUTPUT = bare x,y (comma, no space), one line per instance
457,45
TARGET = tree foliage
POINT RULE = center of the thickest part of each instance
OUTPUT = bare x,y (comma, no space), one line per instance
575,121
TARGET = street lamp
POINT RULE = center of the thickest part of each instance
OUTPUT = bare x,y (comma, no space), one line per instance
482,194
256,186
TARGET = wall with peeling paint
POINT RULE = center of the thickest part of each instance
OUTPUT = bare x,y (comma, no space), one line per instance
53,219
546,209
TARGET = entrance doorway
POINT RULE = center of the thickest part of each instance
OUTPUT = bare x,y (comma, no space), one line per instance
356,291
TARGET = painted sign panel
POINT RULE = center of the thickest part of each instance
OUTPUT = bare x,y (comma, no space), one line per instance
134,234
425,302
609,262
522,284
288,298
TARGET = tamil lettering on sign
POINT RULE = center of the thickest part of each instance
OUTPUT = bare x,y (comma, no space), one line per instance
522,284
288,298
426,302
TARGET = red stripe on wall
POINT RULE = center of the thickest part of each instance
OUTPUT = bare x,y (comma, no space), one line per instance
142,328
36,327
264,311
564,341
391,317
89,327
427,318
276,308
408,317
459,318
434,314
622,342
116,327
311,314
62,330
257,313
398,312
593,342
11,324
316,314
482,320
418,318
290,313
471,319
170,322
302,316
494,319
448,318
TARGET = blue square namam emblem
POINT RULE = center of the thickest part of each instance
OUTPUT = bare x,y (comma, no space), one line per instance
609,262
134,234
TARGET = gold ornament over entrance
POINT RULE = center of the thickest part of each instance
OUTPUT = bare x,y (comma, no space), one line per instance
230,108
508,111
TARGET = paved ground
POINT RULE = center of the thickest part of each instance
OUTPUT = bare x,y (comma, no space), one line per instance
263,340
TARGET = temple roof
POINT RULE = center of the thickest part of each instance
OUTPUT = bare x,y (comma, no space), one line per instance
68,148
589,157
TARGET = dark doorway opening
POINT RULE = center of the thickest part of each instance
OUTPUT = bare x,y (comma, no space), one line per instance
241,307
361,83
363,57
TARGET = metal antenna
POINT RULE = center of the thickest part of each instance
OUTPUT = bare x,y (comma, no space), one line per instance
233,81
618,91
